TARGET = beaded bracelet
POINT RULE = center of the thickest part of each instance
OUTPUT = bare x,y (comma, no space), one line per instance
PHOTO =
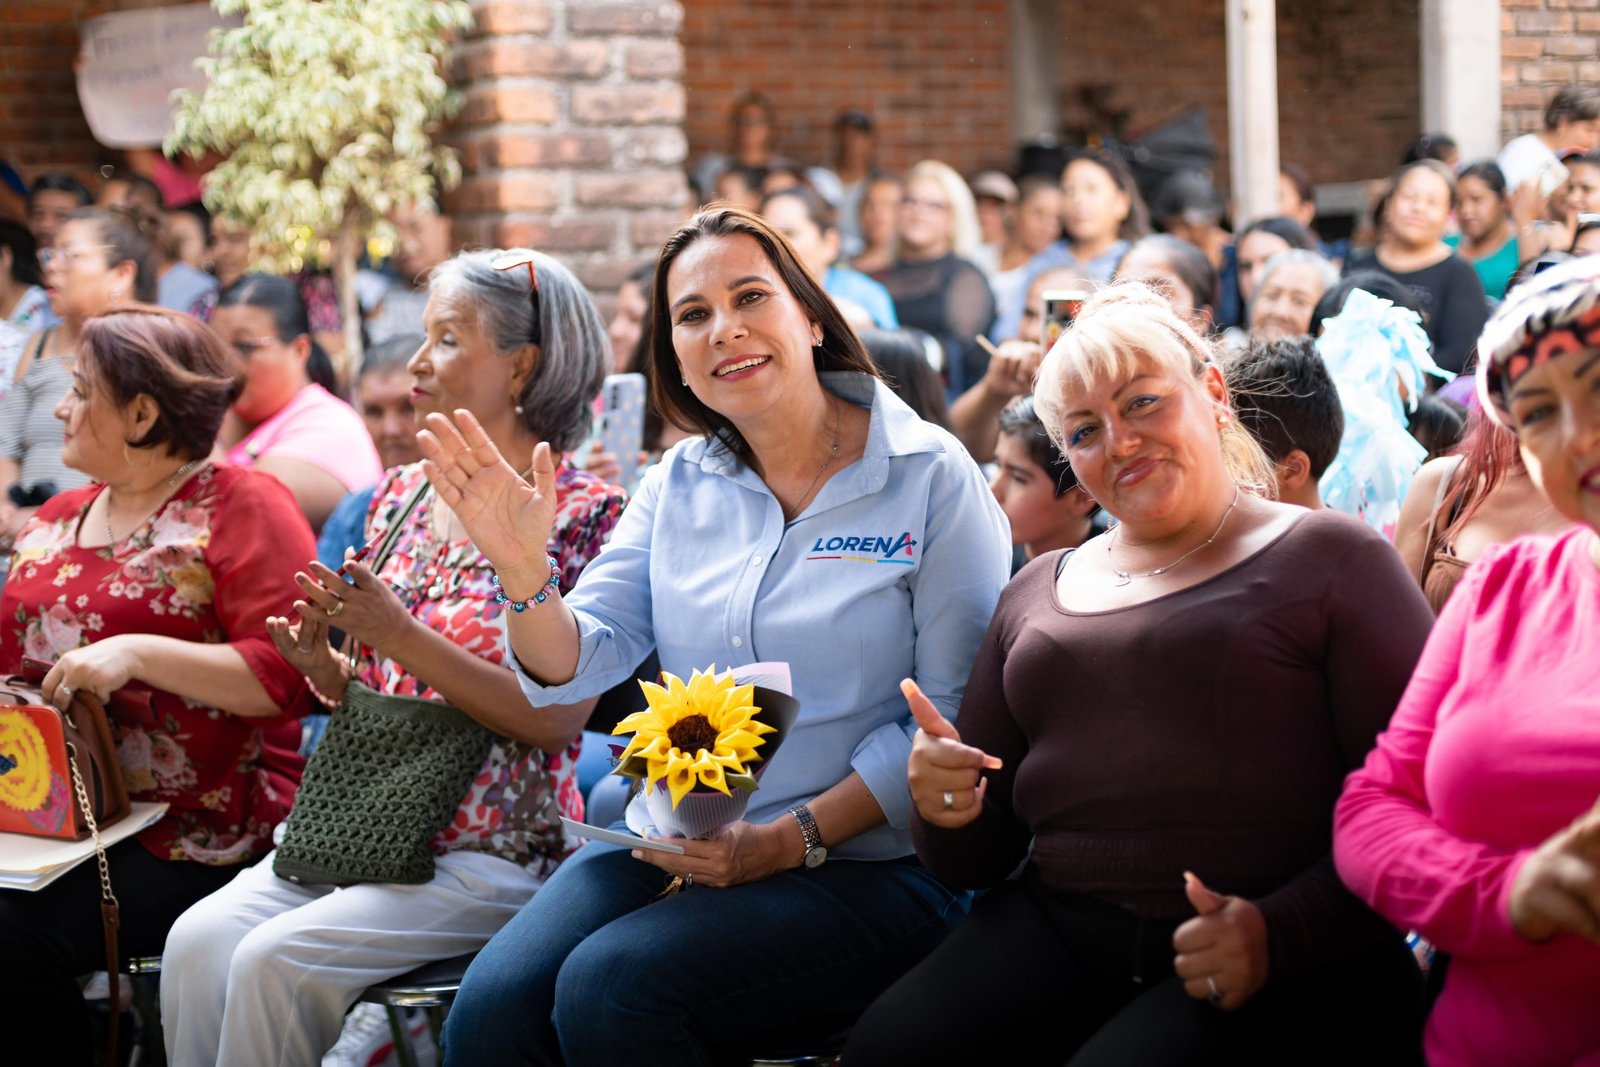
536,599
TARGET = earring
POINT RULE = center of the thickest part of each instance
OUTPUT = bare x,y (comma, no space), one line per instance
518,409
816,342
127,458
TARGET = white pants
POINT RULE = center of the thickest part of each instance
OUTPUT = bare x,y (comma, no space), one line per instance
263,970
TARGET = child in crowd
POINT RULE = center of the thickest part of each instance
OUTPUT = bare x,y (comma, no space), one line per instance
1036,488
1285,398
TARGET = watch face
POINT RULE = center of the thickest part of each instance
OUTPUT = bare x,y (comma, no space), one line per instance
815,856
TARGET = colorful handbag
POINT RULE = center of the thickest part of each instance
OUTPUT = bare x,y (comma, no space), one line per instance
59,777
47,756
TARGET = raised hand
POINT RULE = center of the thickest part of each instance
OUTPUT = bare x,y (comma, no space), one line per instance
508,518
1557,889
945,775
1222,952
304,643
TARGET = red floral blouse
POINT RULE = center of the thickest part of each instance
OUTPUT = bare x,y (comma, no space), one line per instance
209,565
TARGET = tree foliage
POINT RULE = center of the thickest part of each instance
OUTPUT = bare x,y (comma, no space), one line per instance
324,112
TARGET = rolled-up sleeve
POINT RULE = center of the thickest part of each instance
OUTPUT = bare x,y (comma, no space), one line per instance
966,560
612,604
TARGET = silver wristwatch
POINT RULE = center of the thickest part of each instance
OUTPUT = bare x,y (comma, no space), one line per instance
816,851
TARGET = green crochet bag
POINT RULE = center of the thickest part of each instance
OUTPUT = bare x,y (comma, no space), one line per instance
386,778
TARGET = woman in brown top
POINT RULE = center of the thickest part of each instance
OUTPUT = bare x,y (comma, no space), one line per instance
1182,694
1461,504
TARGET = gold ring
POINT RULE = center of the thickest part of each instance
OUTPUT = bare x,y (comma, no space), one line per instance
338,606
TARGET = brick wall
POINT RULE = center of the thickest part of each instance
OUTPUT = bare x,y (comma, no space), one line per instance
1544,44
932,72
571,134
1349,95
41,125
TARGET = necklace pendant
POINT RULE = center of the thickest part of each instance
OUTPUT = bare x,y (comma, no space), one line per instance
1123,579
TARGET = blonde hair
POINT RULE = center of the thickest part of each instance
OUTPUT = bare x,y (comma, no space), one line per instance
965,235
1117,326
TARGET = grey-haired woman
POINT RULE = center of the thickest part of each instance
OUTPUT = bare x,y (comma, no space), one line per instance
264,970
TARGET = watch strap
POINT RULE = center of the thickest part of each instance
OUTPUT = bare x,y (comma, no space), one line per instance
809,833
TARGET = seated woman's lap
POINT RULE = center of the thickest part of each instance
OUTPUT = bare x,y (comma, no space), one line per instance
597,968
1027,980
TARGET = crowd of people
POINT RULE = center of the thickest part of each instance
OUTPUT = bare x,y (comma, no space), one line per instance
1232,696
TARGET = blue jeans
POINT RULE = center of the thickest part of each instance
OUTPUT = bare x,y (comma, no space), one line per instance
597,970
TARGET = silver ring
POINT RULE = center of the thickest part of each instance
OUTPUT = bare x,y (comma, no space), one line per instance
1215,996
65,693
338,606
688,880
949,800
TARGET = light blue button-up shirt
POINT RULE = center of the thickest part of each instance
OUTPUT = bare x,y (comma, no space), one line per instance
892,572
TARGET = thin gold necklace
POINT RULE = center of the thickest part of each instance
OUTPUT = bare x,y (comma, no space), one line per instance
788,515
1124,577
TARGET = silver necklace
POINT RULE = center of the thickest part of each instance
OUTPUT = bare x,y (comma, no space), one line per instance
1124,577
177,476
826,462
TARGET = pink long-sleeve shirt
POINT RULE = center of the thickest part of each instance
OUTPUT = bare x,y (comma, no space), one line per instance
1494,748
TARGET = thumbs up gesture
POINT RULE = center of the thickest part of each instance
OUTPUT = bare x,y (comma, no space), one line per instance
946,779
1222,951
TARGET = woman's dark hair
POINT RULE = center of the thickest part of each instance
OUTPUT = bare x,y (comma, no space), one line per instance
840,350
1191,265
902,356
818,210
1137,224
1437,424
56,182
280,298
389,356
1282,227
1486,171
177,361
126,242
1300,178
1430,146
1375,282
1021,421
24,252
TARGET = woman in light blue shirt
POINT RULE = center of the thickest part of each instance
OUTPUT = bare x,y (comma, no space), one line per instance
819,522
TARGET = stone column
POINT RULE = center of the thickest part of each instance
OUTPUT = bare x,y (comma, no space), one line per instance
572,131
1253,107
1460,55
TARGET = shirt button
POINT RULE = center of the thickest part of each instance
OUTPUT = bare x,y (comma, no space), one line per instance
738,642
756,560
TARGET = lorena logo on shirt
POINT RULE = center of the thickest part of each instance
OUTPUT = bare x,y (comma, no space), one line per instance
886,549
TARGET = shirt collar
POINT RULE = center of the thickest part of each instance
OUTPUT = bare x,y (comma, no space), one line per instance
895,430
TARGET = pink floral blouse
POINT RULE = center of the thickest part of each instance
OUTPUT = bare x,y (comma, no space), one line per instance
447,587
210,565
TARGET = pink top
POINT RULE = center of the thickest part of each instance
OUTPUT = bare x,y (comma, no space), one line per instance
1494,747
315,427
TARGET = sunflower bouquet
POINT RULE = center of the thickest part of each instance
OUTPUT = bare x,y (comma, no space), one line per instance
700,747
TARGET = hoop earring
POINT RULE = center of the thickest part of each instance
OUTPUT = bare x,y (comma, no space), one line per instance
128,459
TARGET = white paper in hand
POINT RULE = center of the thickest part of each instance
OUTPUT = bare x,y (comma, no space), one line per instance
774,675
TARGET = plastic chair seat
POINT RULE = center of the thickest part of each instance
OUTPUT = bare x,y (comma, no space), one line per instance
433,985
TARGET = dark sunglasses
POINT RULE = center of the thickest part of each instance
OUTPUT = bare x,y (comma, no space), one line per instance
513,260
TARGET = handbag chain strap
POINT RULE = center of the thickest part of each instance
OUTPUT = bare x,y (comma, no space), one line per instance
110,909
106,895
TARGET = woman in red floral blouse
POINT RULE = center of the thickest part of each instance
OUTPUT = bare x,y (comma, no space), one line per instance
264,971
151,588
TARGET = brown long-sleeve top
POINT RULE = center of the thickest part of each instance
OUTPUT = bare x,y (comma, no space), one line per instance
1207,730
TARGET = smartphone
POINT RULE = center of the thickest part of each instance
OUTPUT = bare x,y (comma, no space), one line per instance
621,428
1552,178
1061,306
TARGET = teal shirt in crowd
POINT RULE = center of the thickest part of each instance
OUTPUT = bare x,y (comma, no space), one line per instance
1494,270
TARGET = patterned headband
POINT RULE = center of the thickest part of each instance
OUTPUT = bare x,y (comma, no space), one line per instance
1550,315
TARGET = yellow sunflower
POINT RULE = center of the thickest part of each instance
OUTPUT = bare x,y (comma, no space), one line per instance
701,731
